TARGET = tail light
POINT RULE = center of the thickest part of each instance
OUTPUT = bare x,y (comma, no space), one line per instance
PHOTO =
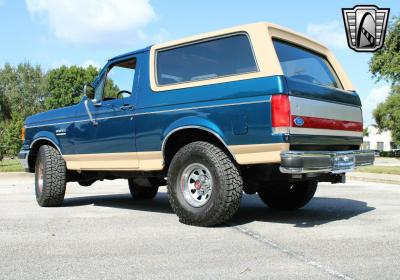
280,110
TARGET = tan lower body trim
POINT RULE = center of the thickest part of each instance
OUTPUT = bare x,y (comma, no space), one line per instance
258,153
115,161
148,161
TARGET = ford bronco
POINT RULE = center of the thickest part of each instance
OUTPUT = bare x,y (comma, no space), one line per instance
256,108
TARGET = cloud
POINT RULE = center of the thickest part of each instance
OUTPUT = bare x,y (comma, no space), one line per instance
68,63
375,96
331,34
94,22
89,62
161,36
60,62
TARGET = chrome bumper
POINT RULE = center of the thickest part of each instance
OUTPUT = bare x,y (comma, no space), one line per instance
298,162
23,159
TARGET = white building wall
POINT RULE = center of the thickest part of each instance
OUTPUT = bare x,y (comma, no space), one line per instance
375,137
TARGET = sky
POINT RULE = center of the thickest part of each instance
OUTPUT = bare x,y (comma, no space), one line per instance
89,32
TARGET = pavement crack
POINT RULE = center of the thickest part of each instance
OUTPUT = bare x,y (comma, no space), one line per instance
295,255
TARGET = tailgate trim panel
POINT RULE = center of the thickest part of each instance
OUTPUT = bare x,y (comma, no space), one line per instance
325,132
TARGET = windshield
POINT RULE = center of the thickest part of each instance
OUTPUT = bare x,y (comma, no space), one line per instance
301,64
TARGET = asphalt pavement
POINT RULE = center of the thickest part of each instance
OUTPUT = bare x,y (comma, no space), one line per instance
349,231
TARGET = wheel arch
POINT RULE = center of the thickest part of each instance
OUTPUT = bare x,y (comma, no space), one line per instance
35,146
185,134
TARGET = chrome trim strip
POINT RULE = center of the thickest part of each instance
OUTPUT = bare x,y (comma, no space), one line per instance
204,107
94,122
303,171
324,132
59,123
157,112
195,127
328,155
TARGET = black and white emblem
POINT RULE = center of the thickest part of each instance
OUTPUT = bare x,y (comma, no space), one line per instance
365,27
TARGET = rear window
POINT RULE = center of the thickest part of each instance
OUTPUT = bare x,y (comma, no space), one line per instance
206,60
301,64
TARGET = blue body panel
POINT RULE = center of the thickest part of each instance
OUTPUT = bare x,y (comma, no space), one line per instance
238,112
323,93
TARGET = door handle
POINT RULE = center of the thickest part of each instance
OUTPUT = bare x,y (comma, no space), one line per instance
127,107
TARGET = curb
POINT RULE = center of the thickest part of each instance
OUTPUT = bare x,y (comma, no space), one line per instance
374,177
16,175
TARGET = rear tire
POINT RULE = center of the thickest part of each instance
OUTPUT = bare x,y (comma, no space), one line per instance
142,188
289,196
50,177
204,185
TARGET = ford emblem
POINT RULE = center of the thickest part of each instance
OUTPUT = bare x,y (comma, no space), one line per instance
298,121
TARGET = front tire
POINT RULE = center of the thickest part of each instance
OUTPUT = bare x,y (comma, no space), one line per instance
50,177
142,188
289,196
204,185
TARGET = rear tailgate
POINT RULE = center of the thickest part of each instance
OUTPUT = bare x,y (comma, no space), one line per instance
323,115
326,117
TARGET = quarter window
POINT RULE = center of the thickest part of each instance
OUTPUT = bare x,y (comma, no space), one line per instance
206,60
301,64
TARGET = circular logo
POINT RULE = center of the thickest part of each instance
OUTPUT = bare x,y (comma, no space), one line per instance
298,121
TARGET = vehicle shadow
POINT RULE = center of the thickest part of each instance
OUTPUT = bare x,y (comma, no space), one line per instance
321,210
159,204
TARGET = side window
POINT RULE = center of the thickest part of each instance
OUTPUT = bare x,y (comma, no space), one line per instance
206,60
118,82
302,64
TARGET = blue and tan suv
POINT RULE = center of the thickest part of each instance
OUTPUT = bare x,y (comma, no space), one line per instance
256,108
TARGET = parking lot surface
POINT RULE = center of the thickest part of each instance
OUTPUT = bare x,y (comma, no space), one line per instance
349,231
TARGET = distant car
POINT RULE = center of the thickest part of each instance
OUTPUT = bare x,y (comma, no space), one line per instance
258,108
396,152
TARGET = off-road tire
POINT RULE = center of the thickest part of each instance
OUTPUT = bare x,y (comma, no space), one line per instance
289,196
226,192
142,188
54,177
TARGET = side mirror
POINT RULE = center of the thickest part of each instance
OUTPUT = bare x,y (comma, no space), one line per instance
88,91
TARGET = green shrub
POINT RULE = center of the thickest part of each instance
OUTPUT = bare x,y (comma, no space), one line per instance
10,139
389,153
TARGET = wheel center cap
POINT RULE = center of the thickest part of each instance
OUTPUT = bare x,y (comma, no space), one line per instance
197,185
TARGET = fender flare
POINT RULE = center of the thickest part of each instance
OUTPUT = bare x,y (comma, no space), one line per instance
194,123
46,136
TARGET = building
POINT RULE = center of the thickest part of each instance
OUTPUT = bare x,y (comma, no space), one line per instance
378,141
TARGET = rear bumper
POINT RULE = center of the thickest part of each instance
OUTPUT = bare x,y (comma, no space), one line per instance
298,162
